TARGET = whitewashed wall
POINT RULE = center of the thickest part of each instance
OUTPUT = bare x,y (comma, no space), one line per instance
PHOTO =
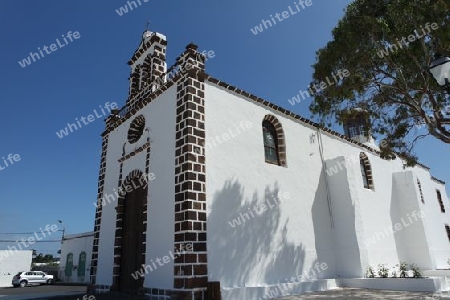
435,223
306,227
13,262
76,244
372,207
411,240
289,238
284,241
348,229
160,118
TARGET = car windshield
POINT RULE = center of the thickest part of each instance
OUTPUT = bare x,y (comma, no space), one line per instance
19,273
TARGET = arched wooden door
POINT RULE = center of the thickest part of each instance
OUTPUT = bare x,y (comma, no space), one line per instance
131,259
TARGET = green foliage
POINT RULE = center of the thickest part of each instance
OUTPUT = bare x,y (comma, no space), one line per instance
383,271
52,264
395,88
417,273
370,273
403,269
41,258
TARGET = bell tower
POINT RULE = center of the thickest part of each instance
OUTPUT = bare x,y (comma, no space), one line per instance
148,65
357,125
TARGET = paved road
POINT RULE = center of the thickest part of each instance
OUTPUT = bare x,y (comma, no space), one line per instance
32,292
77,292
344,294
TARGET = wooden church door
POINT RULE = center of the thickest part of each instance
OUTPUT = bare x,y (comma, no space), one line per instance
132,239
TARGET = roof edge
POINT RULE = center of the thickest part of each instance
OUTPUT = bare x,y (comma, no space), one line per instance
290,114
437,180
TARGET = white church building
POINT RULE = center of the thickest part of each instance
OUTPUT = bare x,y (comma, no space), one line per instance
203,185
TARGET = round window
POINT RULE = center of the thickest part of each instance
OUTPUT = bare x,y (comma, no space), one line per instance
136,129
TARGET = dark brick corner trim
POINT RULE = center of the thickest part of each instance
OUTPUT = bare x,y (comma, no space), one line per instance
154,39
98,211
190,269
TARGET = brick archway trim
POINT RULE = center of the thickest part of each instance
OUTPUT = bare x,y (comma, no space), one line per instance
280,138
365,159
129,181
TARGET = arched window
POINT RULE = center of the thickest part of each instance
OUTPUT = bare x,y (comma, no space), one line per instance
274,144
366,171
81,264
420,191
439,197
270,143
69,265
447,228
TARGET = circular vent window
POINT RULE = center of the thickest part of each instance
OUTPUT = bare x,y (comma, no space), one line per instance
136,129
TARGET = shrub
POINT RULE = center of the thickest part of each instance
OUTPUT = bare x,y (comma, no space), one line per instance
383,271
417,273
370,272
403,269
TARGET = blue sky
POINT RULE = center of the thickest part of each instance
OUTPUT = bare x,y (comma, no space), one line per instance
57,178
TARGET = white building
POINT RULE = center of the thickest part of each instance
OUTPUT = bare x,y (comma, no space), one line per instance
76,254
12,262
257,195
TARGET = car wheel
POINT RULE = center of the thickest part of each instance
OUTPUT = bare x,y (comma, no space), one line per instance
50,281
23,283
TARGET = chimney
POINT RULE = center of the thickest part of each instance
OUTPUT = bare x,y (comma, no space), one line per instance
148,64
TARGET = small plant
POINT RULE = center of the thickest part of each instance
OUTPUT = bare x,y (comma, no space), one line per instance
370,273
417,273
383,271
403,269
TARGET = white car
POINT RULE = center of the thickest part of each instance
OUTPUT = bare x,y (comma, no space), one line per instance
32,277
